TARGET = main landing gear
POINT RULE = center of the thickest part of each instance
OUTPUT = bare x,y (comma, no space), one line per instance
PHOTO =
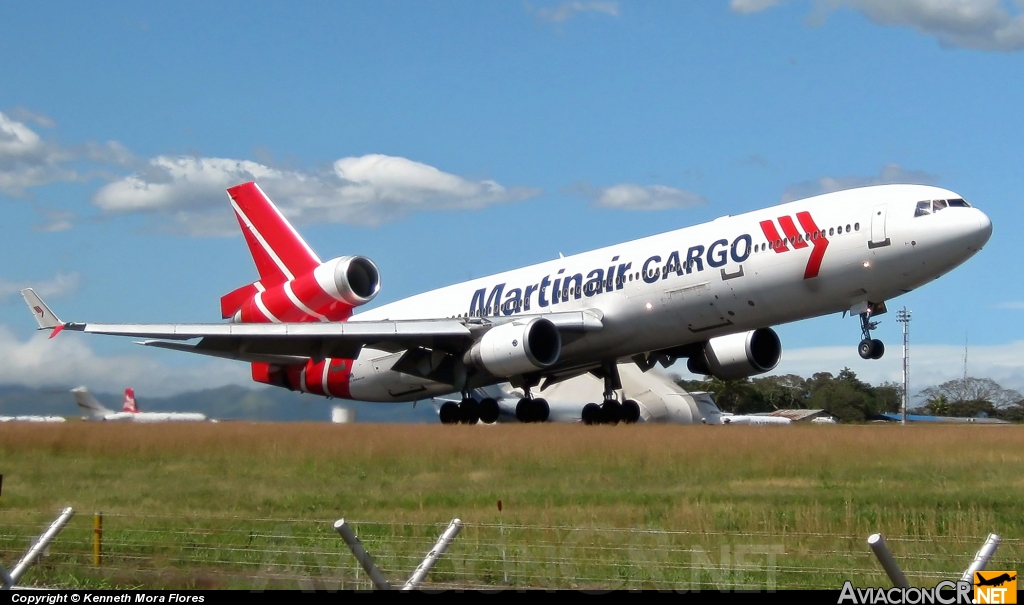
611,411
869,348
532,410
469,411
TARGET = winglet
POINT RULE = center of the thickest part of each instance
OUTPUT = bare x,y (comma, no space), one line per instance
46,319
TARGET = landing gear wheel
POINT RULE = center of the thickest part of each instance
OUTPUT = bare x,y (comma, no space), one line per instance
611,411
591,414
488,410
449,413
866,348
469,411
630,411
532,410
877,349
541,410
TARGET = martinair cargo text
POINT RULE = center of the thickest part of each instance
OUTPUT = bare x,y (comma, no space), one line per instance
709,293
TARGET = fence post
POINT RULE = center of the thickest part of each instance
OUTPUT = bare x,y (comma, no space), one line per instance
982,558
44,541
435,553
877,544
5,579
97,538
379,581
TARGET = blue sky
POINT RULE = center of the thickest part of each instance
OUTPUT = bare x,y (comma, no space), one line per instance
450,140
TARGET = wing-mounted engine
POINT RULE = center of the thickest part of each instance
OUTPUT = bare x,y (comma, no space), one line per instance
516,348
329,292
738,355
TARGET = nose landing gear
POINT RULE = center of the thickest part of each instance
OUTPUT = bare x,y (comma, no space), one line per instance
869,348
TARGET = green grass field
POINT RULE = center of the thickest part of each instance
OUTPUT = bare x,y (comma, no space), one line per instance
242,505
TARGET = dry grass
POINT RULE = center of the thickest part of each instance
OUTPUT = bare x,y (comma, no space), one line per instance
805,487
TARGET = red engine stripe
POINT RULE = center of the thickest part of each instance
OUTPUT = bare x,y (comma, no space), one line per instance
339,375
309,291
314,375
278,303
252,314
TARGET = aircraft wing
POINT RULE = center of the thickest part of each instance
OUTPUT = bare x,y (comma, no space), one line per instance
291,343
294,343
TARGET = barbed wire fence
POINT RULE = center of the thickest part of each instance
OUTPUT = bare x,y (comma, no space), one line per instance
238,552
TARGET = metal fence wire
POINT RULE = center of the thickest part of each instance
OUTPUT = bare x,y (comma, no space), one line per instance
211,552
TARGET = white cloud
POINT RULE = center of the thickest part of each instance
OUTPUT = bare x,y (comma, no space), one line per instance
890,173
745,7
187,192
628,196
56,220
67,361
27,115
1016,304
568,10
992,25
26,160
366,190
60,285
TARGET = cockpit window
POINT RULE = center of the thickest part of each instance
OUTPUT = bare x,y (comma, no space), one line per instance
924,208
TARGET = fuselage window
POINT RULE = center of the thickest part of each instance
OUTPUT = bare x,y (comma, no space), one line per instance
847,228
831,231
856,226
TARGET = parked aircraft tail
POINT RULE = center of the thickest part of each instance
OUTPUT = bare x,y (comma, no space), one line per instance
87,402
129,401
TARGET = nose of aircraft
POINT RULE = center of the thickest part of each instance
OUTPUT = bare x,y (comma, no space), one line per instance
983,231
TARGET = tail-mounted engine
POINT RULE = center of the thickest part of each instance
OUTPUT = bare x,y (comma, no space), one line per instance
329,292
516,348
738,355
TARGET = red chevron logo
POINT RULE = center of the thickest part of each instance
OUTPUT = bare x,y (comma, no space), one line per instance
793,237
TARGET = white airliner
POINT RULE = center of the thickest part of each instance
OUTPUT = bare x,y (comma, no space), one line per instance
753,419
646,397
32,419
129,411
709,293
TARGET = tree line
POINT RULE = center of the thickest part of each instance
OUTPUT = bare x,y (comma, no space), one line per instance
852,400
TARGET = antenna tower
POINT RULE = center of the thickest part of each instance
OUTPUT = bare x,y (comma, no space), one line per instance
903,316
